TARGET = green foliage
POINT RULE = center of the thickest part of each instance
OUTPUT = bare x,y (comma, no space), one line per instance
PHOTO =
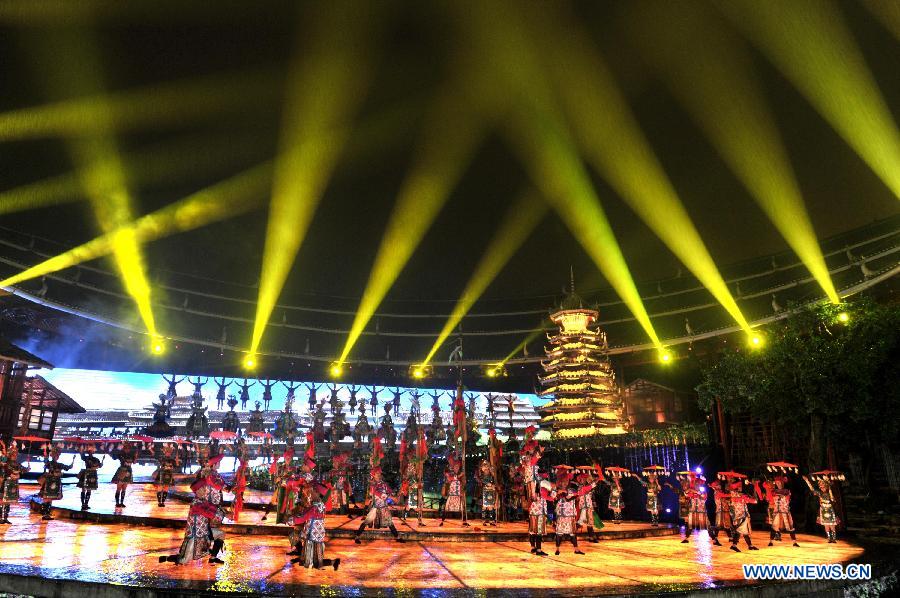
814,366
689,433
260,478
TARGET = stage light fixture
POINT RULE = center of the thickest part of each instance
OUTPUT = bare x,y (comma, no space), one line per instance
157,346
713,77
843,317
495,370
755,341
250,361
420,371
336,369
665,357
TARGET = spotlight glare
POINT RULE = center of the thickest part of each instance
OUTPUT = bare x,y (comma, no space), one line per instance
843,317
250,361
756,341
665,356
336,370
420,371
157,346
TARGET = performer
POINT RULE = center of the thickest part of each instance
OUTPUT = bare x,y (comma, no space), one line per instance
585,501
779,496
529,456
740,516
311,521
567,492
653,487
123,475
616,502
822,490
12,471
489,498
340,481
451,492
220,394
51,482
204,534
411,486
380,513
697,519
516,496
87,477
164,476
723,521
537,515
282,495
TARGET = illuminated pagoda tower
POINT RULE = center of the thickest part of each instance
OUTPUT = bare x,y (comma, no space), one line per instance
579,380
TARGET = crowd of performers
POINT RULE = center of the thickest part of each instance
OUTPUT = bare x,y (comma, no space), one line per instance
302,496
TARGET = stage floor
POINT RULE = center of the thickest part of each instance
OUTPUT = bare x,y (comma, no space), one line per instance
67,553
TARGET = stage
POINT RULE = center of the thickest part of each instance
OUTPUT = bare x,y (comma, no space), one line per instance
71,556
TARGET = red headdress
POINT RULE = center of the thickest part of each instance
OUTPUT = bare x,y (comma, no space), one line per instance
213,461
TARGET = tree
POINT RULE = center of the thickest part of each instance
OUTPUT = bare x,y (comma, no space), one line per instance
831,380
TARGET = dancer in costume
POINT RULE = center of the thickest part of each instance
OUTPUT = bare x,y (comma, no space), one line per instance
164,476
528,458
697,519
566,495
723,522
452,490
820,484
490,500
203,534
51,481
123,476
616,502
311,520
340,481
282,495
12,471
587,517
380,513
740,516
653,487
779,496
537,514
411,486
87,477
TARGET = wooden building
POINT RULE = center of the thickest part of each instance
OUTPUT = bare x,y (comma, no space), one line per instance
649,405
41,405
14,365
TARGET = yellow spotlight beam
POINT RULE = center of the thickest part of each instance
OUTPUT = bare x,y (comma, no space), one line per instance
886,11
228,198
70,63
713,78
324,90
613,140
811,45
169,103
451,134
537,130
165,163
522,218
533,335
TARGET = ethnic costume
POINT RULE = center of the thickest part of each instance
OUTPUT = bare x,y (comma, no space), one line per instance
123,475
740,517
722,523
828,517
452,491
693,493
51,486
203,534
567,494
11,472
489,497
380,513
340,481
164,476
282,496
587,517
537,516
311,523
652,472
779,515
87,478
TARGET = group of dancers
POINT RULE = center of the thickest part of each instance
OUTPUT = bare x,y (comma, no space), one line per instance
302,496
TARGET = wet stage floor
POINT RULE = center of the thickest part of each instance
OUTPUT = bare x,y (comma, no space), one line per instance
127,555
